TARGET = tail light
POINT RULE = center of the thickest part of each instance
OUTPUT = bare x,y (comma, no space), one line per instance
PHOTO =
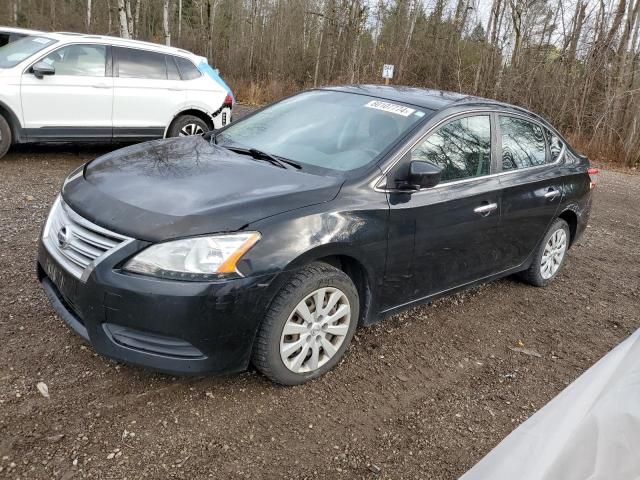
593,177
228,100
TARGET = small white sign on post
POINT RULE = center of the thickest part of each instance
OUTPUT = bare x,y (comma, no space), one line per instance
387,72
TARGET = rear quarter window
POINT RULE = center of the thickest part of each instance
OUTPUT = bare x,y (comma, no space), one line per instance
188,71
555,146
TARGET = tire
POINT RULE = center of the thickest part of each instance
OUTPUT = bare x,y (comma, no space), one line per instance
186,125
553,251
5,136
272,346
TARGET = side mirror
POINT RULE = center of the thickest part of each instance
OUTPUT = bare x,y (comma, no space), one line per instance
424,174
41,69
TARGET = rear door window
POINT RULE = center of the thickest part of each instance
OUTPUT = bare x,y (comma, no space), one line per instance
188,70
462,148
523,144
134,63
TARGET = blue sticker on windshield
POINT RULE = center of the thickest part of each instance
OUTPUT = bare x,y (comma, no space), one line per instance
205,68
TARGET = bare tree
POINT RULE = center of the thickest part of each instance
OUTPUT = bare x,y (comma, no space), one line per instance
122,16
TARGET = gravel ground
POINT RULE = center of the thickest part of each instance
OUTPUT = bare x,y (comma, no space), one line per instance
424,394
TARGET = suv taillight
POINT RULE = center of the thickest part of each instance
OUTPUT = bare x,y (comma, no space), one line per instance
593,176
228,101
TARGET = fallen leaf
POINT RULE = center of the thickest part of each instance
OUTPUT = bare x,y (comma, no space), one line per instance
43,389
526,351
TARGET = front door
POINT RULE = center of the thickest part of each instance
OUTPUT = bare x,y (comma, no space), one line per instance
73,103
532,190
446,236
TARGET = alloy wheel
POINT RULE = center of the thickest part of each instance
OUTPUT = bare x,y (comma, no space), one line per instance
553,254
315,330
191,129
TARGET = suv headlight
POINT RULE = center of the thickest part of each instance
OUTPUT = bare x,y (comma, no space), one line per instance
198,258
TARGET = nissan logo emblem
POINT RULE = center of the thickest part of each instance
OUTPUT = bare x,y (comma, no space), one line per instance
64,236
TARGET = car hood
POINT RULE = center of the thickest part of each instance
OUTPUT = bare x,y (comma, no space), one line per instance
186,186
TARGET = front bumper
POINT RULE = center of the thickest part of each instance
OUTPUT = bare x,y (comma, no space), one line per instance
169,326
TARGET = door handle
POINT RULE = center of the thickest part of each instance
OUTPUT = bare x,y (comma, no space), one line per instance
101,85
486,209
552,193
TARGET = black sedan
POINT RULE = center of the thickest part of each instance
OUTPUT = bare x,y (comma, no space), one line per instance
271,240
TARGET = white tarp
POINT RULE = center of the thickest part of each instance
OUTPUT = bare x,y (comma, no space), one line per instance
590,431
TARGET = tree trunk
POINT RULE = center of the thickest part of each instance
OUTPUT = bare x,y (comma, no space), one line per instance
317,66
132,32
165,22
88,16
122,16
179,19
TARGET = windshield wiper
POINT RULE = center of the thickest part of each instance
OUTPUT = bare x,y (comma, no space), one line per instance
211,135
260,155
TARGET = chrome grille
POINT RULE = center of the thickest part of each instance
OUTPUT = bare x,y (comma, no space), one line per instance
76,243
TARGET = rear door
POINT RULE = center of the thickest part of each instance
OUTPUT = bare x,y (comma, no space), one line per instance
147,93
446,236
532,188
73,103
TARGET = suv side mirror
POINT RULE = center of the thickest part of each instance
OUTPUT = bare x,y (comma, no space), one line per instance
41,69
424,174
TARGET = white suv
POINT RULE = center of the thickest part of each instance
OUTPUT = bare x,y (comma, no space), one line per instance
65,87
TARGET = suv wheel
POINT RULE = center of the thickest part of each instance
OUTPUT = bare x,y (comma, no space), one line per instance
5,136
186,125
308,326
550,255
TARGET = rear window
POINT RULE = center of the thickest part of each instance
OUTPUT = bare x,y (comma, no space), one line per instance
134,63
188,70
15,52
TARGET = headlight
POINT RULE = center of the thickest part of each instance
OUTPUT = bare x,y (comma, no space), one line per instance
47,224
198,258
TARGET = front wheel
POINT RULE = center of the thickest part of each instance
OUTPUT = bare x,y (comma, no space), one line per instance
5,136
550,255
308,327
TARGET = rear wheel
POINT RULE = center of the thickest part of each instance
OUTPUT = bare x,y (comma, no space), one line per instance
186,125
308,327
550,255
5,136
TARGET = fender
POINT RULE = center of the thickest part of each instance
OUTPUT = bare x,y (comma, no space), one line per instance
183,108
14,122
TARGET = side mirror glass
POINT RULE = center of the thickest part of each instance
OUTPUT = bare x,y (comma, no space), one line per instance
41,69
424,174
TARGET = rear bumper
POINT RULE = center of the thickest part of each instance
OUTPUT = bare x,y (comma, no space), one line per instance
170,326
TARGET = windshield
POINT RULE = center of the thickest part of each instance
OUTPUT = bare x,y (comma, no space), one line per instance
15,52
334,130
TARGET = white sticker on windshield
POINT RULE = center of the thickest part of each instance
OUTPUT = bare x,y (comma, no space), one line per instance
41,40
390,107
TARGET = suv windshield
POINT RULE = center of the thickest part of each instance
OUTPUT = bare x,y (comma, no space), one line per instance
328,129
15,52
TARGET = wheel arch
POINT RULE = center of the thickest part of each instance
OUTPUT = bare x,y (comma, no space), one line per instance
196,112
351,263
12,120
570,216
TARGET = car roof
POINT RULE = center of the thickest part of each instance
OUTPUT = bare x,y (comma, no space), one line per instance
70,37
23,31
421,97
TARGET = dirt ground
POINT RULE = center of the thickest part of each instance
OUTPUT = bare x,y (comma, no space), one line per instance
424,394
